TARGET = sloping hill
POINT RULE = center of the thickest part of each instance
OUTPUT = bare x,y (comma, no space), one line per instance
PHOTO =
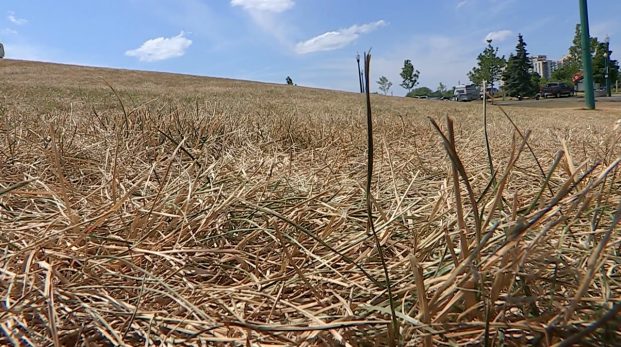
65,74
36,74
145,208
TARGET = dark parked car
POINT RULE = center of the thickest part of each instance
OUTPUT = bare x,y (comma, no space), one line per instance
557,89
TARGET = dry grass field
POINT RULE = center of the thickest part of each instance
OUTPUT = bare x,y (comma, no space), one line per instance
149,209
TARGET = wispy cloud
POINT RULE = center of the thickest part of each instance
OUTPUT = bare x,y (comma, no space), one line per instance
15,20
266,14
498,36
276,6
161,48
461,4
8,31
332,40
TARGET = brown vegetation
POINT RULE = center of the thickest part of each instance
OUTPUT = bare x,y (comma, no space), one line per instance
151,209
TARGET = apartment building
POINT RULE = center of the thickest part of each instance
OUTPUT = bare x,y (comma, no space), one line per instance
543,66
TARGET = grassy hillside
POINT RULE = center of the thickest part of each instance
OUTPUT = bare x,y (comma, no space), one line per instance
150,208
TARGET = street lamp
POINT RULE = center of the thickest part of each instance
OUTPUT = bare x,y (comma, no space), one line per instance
359,73
491,77
607,61
491,81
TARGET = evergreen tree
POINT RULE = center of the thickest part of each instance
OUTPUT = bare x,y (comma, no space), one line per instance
289,81
489,67
517,76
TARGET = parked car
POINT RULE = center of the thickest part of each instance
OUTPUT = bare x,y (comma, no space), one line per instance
557,89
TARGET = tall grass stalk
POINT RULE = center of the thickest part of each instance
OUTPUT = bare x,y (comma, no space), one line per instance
394,336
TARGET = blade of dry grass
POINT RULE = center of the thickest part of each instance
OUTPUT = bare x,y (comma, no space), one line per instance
369,202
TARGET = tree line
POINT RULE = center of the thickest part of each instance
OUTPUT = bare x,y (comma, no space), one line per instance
516,72
520,79
572,65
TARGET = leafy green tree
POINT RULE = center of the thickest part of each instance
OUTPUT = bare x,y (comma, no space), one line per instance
564,73
443,91
289,81
517,76
384,84
422,91
599,66
409,75
489,66
535,80
572,63
575,51
441,87
543,81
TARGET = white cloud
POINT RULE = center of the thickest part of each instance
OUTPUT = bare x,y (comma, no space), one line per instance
15,20
266,15
461,4
8,31
336,39
161,48
276,6
499,36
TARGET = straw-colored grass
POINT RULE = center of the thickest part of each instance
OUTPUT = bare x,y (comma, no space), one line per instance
152,209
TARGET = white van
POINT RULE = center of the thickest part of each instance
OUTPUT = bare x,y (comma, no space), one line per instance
466,93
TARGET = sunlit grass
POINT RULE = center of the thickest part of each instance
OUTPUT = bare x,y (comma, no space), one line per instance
224,211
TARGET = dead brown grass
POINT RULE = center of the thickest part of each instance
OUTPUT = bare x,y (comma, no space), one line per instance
206,211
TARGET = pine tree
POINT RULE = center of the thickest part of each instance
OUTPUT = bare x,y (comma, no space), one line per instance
518,76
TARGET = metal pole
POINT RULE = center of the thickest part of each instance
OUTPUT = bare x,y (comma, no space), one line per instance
587,65
359,73
608,86
364,89
607,77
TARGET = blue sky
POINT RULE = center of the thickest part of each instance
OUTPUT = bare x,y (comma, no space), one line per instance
313,41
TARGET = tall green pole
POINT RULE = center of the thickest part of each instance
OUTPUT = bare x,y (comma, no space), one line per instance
587,66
